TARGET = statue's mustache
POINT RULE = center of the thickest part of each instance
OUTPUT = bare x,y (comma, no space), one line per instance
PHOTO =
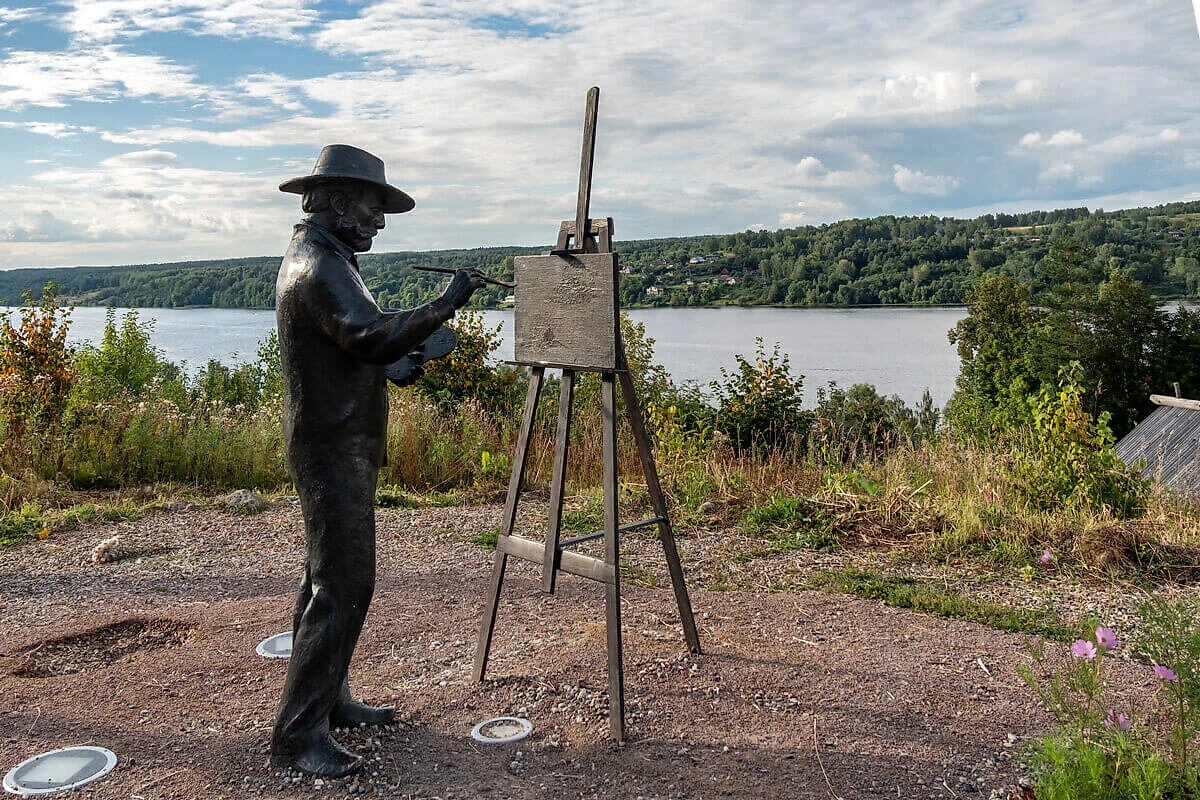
348,222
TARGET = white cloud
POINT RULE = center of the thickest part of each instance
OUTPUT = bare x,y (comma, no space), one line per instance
11,15
42,226
810,172
101,74
141,197
110,20
812,211
1128,143
911,181
56,130
1064,138
1026,88
278,90
141,159
939,92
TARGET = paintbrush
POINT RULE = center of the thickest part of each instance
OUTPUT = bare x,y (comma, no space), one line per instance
449,271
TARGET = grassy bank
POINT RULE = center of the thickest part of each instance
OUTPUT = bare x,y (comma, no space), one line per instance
858,470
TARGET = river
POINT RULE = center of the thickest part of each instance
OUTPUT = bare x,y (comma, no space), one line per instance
898,349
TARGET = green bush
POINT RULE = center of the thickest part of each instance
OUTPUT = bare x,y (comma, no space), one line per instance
234,386
36,367
468,372
759,402
683,455
856,424
1071,460
125,363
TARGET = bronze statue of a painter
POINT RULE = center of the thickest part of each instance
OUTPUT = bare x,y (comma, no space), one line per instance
336,344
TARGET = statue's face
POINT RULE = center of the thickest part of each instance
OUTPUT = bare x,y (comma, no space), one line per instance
361,218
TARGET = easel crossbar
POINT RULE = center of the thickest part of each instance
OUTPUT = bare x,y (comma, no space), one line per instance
626,528
569,561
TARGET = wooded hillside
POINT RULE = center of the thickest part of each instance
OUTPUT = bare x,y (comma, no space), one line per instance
883,260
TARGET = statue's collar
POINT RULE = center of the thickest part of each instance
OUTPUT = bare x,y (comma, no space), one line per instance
329,239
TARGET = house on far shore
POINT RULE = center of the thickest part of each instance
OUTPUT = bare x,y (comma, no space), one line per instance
1168,441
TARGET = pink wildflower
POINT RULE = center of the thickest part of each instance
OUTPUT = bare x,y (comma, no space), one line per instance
1116,720
1165,673
1046,557
1106,638
1084,649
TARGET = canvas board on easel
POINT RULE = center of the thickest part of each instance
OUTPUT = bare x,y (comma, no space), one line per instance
566,311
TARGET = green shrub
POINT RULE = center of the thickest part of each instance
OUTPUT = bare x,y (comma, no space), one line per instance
468,372
125,363
683,455
240,385
856,424
1071,458
759,403
20,526
36,367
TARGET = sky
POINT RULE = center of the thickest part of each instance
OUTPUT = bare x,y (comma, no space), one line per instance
136,131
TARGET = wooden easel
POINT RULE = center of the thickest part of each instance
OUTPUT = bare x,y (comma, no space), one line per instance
604,354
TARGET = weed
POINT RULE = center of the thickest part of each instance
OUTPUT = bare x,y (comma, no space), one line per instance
20,526
909,593
393,499
486,539
639,575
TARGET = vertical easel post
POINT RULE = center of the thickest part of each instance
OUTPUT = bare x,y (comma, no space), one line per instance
586,159
612,557
488,624
562,441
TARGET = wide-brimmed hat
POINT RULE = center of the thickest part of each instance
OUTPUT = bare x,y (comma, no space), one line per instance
340,162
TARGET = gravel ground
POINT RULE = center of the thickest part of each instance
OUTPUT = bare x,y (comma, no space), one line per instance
798,694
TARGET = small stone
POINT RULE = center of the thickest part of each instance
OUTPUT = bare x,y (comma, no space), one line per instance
242,500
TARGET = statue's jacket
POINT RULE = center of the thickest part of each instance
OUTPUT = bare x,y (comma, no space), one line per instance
335,343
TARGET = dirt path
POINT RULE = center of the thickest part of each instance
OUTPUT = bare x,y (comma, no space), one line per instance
798,694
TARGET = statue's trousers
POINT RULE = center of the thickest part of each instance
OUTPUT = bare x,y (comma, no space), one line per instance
337,498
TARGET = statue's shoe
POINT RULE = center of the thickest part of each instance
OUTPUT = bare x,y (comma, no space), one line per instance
353,713
324,758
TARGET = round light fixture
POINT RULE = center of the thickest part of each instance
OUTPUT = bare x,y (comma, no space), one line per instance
277,646
501,730
59,770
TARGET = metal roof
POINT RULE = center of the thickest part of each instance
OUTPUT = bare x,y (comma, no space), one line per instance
1169,442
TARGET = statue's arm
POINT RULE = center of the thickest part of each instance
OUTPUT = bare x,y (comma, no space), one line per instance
347,313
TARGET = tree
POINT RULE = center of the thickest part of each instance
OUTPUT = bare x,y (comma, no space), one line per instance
1126,328
993,343
36,368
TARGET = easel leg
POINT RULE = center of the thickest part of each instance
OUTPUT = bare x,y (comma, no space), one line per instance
650,469
561,446
612,556
488,623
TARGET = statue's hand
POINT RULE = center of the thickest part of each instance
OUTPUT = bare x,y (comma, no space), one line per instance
462,286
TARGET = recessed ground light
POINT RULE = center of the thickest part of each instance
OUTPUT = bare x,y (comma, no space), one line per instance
501,730
277,646
59,770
